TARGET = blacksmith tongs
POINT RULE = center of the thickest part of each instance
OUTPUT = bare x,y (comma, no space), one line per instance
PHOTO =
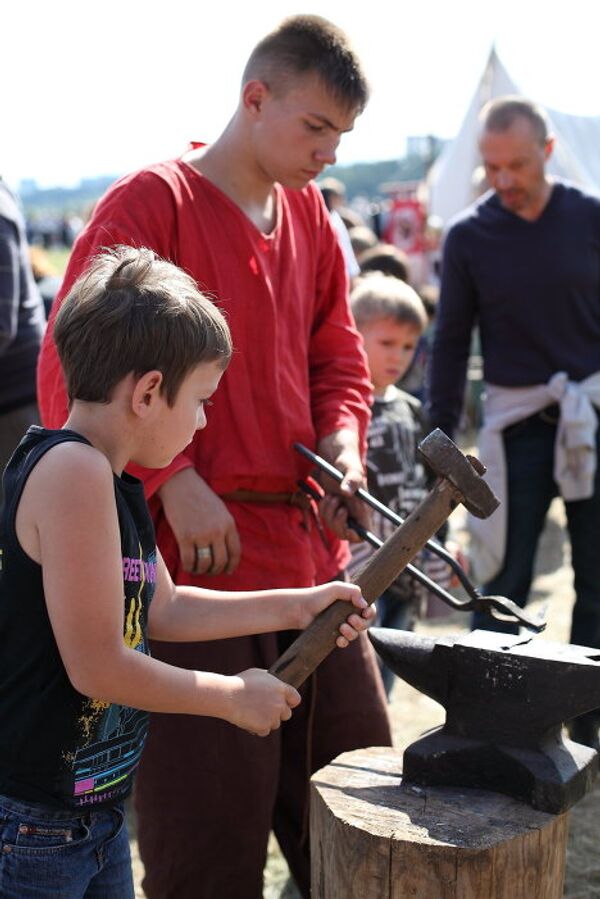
498,607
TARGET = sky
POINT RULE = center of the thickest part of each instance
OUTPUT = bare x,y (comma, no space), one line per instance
104,88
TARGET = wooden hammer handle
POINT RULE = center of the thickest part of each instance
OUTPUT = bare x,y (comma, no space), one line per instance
316,642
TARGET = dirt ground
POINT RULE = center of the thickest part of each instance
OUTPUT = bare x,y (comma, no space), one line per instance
413,713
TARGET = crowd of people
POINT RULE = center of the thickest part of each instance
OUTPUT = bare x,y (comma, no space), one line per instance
158,558
51,231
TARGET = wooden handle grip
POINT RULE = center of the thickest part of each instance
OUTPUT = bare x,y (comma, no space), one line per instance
316,642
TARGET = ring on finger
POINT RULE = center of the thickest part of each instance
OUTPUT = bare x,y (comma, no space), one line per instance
203,553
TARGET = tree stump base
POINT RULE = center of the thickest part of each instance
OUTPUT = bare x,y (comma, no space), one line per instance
373,836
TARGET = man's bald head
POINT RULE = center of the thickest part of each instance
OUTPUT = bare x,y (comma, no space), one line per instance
500,114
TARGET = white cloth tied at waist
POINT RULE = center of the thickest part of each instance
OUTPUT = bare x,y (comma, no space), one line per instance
574,453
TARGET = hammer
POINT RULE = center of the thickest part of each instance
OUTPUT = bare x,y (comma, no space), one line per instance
459,481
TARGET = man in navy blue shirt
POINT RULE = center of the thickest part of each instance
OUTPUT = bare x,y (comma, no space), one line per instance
523,264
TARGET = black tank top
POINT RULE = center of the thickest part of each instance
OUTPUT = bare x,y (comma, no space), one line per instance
58,747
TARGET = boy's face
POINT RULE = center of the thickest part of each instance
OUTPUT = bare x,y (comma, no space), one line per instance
297,132
173,427
390,347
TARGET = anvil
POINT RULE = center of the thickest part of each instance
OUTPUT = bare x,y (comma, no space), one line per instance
506,699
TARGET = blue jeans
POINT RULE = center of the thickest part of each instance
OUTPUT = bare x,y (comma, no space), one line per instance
66,854
529,446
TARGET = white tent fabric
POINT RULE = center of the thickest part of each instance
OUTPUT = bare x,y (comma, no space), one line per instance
576,155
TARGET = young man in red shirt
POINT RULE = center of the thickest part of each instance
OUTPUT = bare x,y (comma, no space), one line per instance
243,217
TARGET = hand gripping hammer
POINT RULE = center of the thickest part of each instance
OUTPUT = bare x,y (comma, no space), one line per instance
459,480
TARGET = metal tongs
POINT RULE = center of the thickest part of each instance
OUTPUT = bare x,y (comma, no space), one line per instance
498,607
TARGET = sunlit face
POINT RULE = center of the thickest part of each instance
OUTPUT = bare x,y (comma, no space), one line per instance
390,347
172,428
296,133
514,162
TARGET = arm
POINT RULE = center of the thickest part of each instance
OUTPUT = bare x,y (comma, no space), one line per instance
340,386
341,449
84,599
198,517
138,212
70,496
455,319
185,613
9,283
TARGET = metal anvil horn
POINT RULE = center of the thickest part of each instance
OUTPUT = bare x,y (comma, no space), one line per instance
506,699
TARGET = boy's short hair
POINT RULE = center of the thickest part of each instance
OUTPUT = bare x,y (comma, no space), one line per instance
501,113
134,312
377,296
386,258
307,44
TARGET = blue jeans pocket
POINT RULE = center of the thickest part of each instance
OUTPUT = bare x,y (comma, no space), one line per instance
47,853
28,831
31,836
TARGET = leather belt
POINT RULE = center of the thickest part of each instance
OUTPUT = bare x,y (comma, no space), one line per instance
299,499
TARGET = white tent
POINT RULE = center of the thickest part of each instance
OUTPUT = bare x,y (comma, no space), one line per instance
576,155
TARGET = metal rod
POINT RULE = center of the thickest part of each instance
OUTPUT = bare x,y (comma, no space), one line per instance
487,604
432,545
376,541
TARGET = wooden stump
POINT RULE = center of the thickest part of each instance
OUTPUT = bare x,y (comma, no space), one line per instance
372,836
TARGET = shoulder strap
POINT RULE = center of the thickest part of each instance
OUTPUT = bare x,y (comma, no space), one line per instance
24,460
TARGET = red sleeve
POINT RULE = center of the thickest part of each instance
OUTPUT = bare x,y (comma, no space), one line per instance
341,392
136,211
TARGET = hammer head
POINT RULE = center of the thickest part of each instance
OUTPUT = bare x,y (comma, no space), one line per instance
465,473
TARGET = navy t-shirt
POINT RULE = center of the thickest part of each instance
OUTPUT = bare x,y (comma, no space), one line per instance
58,747
396,476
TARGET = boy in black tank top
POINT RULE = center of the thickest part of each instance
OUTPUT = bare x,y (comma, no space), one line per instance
83,587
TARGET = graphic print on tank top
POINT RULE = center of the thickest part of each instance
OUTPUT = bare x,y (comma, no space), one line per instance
116,733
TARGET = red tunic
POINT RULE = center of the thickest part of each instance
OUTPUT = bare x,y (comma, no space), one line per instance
207,794
298,372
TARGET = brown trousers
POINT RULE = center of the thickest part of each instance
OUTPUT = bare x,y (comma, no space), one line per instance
208,794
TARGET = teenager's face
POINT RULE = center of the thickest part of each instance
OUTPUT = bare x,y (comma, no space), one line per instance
390,347
514,162
173,427
296,133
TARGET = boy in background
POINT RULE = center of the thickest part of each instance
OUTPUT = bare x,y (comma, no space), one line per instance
391,318
83,587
